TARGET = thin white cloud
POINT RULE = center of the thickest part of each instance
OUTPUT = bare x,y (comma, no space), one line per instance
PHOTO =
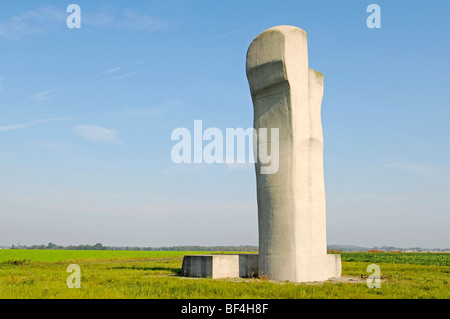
129,21
32,22
224,35
137,63
43,96
113,70
98,20
98,134
45,19
127,75
7,128
124,74
12,127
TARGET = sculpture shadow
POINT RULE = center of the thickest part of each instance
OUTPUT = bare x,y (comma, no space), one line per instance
175,271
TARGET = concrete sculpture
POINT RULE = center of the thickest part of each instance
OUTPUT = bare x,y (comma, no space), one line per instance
287,94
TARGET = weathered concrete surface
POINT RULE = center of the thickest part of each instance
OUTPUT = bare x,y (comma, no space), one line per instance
291,203
197,266
214,266
248,265
241,265
334,265
220,266
224,266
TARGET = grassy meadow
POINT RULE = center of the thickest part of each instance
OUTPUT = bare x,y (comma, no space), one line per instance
155,274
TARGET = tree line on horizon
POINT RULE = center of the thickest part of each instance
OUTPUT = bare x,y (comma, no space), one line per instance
99,246
243,248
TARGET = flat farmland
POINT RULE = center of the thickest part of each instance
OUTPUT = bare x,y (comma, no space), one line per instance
42,274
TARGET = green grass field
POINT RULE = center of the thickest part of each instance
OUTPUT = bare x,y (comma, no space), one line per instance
155,274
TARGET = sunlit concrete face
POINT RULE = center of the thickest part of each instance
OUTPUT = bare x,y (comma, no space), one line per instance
287,95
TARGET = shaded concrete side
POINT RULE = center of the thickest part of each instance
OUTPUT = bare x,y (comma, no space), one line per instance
197,266
214,266
248,265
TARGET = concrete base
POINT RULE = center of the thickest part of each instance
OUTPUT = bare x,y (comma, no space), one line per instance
214,266
235,266
334,265
248,265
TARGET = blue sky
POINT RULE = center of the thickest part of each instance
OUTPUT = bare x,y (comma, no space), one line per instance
86,117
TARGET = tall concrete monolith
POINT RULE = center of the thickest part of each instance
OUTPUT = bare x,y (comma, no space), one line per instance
287,95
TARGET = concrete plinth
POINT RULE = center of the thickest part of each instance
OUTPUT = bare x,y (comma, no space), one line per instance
241,265
248,265
214,266
334,266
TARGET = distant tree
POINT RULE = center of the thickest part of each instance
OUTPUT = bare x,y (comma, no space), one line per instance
52,246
